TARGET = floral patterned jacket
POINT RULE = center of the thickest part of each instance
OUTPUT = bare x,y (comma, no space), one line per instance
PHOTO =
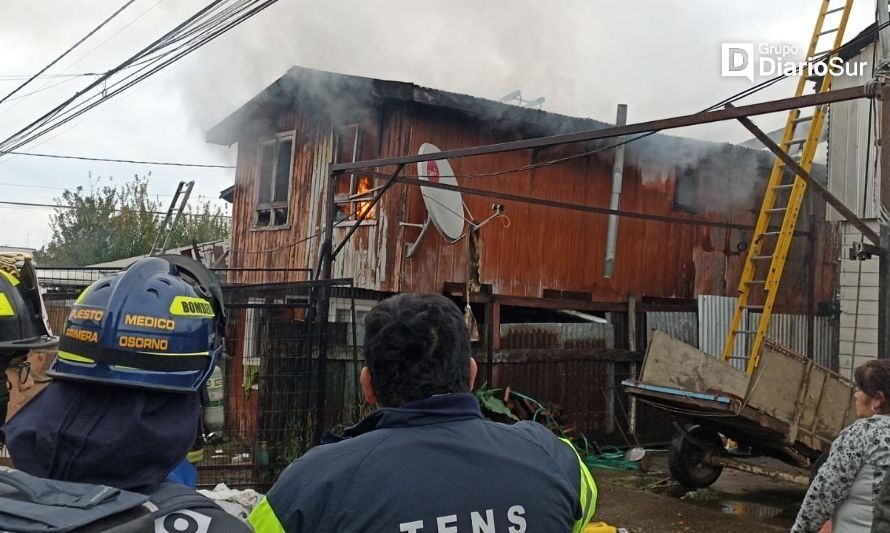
863,446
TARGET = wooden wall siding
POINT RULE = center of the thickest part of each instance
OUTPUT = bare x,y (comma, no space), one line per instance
546,248
279,248
374,253
543,248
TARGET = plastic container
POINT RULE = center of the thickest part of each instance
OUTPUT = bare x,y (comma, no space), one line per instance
262,454
599,527
214,411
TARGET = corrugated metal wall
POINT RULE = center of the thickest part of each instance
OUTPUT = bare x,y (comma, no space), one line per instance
715,316
682,326
558,335
542,247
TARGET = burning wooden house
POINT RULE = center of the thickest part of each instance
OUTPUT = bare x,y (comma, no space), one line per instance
537,271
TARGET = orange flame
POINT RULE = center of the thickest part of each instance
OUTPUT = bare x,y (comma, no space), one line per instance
364,185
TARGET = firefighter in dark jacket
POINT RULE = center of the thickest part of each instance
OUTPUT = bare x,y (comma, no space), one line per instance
23,327
124,403
426,460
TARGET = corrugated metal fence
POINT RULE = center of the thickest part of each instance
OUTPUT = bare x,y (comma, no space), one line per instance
679,325
715,316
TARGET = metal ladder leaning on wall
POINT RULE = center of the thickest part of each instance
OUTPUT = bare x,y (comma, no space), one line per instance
165,230
784,197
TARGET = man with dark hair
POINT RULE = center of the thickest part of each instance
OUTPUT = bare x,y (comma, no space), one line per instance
426,461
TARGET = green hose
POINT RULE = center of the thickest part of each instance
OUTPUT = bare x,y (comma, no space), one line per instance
611,457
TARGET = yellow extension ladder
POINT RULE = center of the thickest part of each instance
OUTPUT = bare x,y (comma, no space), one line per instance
784,197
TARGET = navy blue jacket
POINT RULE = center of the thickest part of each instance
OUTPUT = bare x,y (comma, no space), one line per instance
124,438
434,465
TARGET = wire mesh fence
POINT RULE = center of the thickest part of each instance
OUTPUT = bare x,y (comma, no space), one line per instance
289,372
289,376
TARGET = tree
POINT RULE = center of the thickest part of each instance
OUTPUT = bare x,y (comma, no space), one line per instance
111,222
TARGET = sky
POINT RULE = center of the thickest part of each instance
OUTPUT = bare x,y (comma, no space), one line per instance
661,58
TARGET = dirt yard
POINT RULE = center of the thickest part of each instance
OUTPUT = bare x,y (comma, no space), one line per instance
737,503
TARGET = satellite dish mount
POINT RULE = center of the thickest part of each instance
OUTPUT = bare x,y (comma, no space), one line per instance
445,208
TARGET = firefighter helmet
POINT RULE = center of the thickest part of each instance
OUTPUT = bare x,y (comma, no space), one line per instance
23,324
157,325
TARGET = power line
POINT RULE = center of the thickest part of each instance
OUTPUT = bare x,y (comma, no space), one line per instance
68,110
731,99
18,77
45,87
126,63
131,161
28,186
278,248
571,206
70,188
66,52
63,206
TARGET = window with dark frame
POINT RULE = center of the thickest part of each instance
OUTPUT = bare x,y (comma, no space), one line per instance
354,191
273,189
686,190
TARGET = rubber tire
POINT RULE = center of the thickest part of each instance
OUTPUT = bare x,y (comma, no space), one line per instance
684,458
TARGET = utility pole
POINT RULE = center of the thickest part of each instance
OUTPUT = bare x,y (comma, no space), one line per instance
884,252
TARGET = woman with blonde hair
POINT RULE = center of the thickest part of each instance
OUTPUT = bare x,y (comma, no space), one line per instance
845,488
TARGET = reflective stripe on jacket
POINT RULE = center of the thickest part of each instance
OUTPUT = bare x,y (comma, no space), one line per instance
433,465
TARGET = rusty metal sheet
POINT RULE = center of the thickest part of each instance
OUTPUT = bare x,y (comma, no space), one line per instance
541,247
679,325
557,335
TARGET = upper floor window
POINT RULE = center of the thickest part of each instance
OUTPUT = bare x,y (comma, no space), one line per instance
354,191
686,191
275,173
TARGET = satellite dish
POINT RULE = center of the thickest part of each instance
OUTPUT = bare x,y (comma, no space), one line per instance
445,208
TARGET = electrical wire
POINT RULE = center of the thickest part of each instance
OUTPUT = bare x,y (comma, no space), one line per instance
28,186
568,205
115,34
179,52
540,201
210,24
278,248
43,88
63,206
50,187
66,52
19,77
88,54
729,100
132,161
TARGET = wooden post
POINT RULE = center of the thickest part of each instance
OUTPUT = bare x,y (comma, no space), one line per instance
323,307
884,280
811,289
632,322
632,346
492,336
